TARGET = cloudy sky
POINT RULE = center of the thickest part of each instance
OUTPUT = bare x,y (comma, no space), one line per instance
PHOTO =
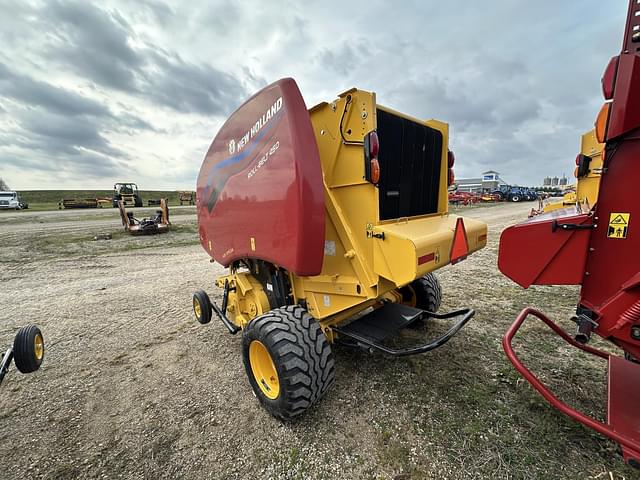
137,90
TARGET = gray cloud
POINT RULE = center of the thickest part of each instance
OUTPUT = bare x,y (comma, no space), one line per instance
33,92
192,88
65,135
151,81
94,43
97,44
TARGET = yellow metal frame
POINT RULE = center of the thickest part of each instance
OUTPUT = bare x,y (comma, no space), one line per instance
360,267
588,186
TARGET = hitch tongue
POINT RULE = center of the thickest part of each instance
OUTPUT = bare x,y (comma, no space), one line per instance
585,327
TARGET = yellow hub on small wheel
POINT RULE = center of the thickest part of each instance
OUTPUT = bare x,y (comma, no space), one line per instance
263,369
38,347
197,309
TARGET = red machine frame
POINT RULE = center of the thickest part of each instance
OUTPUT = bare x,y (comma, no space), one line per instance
618,428
597,249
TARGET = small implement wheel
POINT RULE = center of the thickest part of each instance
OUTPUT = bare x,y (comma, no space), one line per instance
28,349
202,307
428,292
288,360
515,198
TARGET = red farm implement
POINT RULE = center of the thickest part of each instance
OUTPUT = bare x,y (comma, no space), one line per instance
596,248
463,198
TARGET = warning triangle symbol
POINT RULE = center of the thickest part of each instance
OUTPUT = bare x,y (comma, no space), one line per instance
618,220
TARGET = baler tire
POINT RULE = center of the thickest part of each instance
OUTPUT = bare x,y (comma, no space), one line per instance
28,349
428,292
300,355
202,307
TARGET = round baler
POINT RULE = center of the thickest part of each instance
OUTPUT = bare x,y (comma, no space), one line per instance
331,222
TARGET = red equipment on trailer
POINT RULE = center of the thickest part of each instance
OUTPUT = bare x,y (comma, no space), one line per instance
597,249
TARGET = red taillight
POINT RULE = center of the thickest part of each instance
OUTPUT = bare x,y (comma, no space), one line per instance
374,145
578,160
452,177
609,78
371,163
451,159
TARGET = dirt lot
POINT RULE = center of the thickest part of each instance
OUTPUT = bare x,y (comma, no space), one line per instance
133,387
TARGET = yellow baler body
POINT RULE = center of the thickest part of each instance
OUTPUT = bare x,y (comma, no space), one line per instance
360,265
365,259
587,186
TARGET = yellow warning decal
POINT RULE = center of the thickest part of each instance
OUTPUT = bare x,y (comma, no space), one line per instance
618,225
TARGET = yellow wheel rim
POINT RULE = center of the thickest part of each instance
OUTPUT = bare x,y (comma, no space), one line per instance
38,344
197,308
263,369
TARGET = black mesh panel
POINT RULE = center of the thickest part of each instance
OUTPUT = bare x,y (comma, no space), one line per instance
409,157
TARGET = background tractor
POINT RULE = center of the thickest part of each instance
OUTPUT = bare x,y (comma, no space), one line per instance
331,222
128,194
597,248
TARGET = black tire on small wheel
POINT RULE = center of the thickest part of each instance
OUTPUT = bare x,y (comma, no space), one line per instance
428,292
202,307
288,361
28,349
515,198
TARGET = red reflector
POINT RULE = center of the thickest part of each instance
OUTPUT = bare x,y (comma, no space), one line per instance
609,77
460,245
374,145
578,159
451,159
452,177
426,258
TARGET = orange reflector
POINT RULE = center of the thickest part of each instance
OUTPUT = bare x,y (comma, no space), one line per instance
460,245
375,171
601,123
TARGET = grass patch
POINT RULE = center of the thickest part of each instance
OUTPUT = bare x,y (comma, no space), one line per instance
34,248
87,215
48,199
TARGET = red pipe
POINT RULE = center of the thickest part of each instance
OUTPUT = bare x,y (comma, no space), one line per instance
545,392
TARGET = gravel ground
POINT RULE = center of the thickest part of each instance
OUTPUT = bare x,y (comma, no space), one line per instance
133,387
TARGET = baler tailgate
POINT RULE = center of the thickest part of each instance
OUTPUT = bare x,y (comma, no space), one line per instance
407,250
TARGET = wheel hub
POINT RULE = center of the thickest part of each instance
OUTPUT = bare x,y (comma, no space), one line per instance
264,370
38,344
197,308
